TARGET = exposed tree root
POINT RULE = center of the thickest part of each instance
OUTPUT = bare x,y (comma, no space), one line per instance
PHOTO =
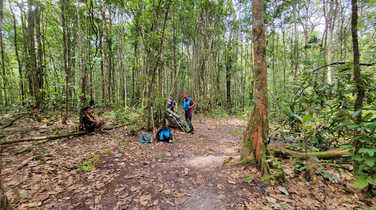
283,151
14,120
53,137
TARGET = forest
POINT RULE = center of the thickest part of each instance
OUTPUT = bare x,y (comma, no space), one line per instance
282,96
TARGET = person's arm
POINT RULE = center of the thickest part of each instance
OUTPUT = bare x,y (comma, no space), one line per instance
192,104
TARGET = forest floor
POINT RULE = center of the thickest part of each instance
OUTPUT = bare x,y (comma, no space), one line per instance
197,171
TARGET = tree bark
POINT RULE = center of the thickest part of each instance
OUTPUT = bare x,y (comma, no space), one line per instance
39,70
65,55
255,137
106,75
357,77
331,23
281,150
4,79
82,70
18,56
228,74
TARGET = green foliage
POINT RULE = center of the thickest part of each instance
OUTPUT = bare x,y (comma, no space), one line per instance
107,152
24,195
235,132
219,112
248,178
329,176
280,173
322,115
133,117
88,165
267,179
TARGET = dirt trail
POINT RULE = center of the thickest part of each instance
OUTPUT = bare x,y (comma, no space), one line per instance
190,173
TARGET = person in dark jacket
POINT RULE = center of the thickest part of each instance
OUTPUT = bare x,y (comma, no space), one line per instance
88,121
171,104
188,104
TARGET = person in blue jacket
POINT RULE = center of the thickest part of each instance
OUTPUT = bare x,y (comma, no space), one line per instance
188,104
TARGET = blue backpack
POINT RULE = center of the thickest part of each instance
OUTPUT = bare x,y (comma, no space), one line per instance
164,134
146,139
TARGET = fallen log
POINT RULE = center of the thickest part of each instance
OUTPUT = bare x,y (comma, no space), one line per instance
39,138
14,120
57,136
283,151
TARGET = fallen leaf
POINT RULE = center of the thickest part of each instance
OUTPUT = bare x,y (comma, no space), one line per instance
283,190
144,199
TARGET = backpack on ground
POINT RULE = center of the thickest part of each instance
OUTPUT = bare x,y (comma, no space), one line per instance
164,134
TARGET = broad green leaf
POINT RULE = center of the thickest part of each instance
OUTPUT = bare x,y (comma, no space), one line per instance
361,182
24,195
370,162
355,114
370,152
306,118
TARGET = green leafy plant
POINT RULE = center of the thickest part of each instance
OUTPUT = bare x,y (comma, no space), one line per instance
248,179
88,165
107,152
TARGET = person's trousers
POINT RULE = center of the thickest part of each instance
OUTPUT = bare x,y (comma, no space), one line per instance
188,119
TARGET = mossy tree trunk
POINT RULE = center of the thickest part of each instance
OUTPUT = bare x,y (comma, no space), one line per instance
255,137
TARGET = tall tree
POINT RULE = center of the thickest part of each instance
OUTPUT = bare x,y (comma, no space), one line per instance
255,137
4,85
330,21
65,55
17,55
356,72
33,59
106,70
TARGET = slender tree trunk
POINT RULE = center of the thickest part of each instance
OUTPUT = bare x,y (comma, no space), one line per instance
255,137
356,74
65,55
33,59
296,42
4,79
228,75
331,23
152,71
284,60
2,59
17,56
4,203
106,76
135,61
39,72
82,69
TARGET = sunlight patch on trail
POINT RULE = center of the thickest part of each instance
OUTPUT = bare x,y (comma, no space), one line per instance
206,161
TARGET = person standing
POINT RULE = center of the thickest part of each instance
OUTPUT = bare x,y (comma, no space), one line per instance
171,104
187,107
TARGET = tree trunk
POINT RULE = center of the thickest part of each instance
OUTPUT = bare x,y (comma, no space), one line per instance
4,80
33,59
39,72
331,23
17,56
356,74
284,60
65,55
255,137
106,75
82,70
152,72
228,74
135,59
